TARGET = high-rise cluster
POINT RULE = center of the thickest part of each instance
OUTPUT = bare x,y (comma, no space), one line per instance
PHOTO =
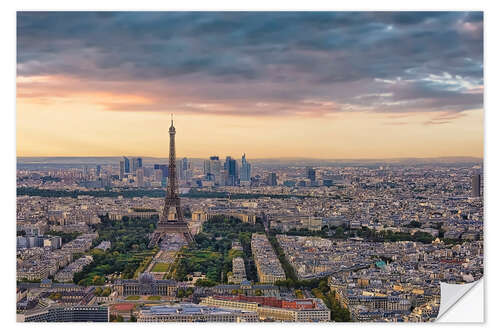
229,173
131,165
134,173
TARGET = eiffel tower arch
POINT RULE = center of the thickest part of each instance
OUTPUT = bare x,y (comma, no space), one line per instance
171,222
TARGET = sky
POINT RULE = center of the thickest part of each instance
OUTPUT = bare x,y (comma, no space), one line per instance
334,85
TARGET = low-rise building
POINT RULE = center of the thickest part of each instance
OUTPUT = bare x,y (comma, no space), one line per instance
68,314
194,313
271,308
268,266
146,285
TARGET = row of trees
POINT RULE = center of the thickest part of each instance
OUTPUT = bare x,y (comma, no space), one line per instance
287,267
32,191
182,293
212,252
120,319
155,193
365,233
128,250
193,193
102,292
338,313
65,236
319,287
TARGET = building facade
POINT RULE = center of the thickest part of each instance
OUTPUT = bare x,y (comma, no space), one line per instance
194,313
70,314
146,285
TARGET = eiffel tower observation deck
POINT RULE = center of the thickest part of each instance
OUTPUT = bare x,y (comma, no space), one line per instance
172,218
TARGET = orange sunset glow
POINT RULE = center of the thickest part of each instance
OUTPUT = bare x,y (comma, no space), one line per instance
104,91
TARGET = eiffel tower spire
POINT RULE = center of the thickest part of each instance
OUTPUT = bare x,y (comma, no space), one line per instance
172,200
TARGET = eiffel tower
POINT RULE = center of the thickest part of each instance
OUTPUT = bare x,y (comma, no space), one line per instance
172,200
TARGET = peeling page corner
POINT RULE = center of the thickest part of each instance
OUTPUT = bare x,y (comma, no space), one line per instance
461,302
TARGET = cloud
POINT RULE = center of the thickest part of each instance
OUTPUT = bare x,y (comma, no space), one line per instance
397,123
443,118
386,62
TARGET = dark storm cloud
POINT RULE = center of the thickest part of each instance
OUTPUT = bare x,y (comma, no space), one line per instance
285,57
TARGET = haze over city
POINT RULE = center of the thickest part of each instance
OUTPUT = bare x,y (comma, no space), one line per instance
312,85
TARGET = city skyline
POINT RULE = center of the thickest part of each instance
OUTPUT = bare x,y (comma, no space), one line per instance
330,85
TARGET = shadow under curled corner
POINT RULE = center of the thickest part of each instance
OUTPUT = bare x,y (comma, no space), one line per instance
453,295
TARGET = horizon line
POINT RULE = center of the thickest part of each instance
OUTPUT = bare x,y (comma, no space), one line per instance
255,158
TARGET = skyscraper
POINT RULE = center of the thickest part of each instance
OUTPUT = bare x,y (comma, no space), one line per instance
148,171
272,179
133,168
126,164
231,171
136,163
122,169
184,167
85,174
212,169
311,174
140,177
163,168
206,167
245,169
476,186
158,175
215,170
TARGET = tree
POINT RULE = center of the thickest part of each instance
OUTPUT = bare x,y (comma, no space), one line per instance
323,286
339,232
106,292
205,283
414,224
212,274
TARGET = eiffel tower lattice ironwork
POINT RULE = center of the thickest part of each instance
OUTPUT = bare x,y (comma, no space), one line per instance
177,224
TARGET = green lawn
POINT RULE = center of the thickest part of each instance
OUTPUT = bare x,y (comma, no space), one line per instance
160,267
154,298
133,298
